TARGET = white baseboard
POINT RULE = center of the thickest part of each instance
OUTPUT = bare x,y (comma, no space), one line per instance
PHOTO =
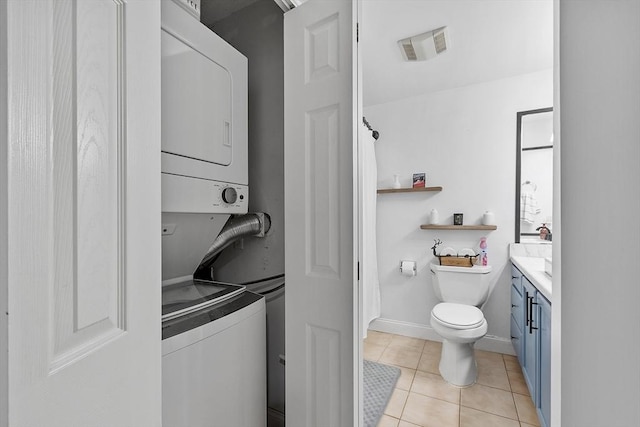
416,330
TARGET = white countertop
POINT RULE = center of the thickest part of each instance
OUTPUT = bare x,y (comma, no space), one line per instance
533,269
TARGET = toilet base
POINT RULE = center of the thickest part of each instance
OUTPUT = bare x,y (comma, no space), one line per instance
458,363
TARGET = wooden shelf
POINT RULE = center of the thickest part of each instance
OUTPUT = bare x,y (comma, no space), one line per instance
408,190
458,227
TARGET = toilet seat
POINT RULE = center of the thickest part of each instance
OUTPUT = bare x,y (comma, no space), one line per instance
458,316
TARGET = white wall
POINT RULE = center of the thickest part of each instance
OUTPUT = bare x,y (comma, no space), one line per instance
465,140
599,88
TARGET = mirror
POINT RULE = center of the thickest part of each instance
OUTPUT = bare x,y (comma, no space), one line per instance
534,176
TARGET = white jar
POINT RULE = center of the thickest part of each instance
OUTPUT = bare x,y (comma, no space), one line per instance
434,217
488,218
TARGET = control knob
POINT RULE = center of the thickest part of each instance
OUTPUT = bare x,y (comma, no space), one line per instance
229,195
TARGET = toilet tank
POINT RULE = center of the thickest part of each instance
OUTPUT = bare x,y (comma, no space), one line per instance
463,285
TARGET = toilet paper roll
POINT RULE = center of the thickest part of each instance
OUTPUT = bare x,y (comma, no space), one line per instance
408,268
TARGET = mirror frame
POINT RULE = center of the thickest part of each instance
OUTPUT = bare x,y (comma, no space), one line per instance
519,116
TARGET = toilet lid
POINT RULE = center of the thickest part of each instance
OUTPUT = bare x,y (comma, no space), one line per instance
458,316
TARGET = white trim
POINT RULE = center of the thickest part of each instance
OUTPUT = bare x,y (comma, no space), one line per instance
416,330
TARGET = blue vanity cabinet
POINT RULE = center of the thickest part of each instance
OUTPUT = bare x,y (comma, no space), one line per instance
531,338
517,313
534,346
543,406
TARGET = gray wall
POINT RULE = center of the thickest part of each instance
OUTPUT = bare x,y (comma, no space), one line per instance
257,32
599,84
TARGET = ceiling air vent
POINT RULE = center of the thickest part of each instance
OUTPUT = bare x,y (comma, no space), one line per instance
425,46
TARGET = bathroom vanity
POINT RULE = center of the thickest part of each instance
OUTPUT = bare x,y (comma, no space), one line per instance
531,325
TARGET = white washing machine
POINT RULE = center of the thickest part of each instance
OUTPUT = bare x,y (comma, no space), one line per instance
213,355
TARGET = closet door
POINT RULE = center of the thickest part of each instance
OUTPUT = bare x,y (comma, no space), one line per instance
322,360
82,205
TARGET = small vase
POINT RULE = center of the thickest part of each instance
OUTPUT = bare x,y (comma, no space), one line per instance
396,181
434,218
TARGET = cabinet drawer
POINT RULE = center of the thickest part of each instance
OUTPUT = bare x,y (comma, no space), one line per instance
516,278
517,306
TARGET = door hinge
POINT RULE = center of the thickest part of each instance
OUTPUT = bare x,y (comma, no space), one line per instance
358,267
357,32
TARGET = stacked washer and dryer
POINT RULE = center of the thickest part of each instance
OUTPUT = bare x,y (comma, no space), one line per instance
214,340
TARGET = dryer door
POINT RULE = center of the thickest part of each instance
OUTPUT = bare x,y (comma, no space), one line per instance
196,104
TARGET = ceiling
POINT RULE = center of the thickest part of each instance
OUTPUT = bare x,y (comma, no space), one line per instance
489,40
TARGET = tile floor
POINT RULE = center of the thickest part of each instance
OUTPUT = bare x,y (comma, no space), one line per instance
499,398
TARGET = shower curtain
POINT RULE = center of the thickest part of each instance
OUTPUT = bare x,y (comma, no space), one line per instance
368,186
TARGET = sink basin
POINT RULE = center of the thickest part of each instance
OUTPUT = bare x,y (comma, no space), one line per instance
548,266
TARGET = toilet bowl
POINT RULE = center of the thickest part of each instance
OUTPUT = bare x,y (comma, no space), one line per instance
458,320
460,326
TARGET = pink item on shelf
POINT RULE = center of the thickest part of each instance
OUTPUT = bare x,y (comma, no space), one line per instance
484,260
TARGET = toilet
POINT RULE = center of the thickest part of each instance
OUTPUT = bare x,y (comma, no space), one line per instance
458,319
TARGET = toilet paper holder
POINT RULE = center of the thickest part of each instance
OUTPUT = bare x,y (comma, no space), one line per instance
408,268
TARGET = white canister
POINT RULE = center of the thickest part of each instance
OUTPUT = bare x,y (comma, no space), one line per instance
396,181
434,218
488,218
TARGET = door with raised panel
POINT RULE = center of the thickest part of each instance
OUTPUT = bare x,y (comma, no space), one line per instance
320,254
82,212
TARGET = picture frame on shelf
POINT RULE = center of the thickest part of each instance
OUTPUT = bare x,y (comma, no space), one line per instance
419,180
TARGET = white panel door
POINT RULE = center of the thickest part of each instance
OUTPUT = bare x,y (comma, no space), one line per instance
320,256
83,213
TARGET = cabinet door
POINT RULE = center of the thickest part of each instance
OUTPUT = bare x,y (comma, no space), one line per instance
544,402
531,336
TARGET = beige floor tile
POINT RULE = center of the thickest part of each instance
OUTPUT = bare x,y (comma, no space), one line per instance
432,348
378,338
387,421
372,351
429,363
489,399
511,362
526,410
429,412
401,356
406,378
474,418
433,385
521,424
396,403
489,358
407,342
406,424
493,375
517,382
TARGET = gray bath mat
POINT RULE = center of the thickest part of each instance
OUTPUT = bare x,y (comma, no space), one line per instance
378,382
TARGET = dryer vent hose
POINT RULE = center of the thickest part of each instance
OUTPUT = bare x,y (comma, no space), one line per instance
251,224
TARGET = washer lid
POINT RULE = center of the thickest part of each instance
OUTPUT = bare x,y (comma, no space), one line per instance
188,296
458,316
